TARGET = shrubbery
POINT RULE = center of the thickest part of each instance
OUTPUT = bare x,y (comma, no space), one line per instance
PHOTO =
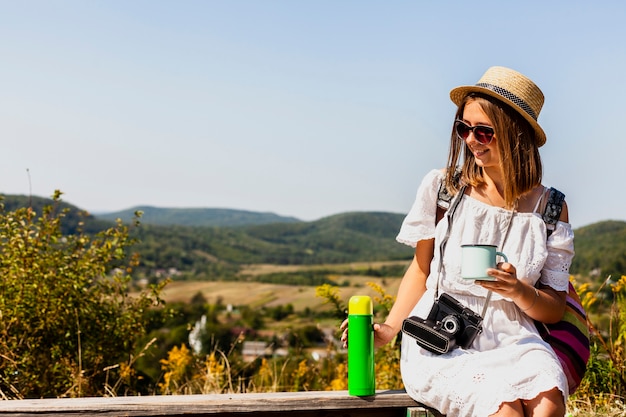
68,326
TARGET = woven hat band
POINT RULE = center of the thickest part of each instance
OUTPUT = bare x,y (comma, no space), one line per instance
510,96
511,88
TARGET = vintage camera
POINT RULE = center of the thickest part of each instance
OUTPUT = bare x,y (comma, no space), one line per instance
448,325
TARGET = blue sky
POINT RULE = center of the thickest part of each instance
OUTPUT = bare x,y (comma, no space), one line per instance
301,108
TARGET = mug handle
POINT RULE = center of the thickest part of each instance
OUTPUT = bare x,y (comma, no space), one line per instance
502,255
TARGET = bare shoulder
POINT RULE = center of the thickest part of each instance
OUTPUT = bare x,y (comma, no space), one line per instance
533,201
536,200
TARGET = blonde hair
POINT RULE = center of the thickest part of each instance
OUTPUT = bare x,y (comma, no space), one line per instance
520,161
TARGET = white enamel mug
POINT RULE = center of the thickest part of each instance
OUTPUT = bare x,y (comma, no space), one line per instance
476,259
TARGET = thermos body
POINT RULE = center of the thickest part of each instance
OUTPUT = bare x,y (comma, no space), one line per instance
361,377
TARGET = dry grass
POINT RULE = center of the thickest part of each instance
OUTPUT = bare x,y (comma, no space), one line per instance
605,406
259,269
260,294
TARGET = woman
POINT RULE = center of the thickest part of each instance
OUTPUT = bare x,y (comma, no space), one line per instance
508,370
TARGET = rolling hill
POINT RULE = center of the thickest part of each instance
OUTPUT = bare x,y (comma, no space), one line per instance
217,242
197,216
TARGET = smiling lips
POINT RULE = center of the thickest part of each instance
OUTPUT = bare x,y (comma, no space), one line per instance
479,152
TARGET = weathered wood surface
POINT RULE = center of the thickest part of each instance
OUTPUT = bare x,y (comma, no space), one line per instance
278,404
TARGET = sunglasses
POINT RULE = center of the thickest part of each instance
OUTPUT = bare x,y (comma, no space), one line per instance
482,134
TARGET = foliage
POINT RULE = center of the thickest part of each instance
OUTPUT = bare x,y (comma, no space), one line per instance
223,370
330,295
68,325
605,380
216,253
601,249
346,237
73,218
184,250
176,368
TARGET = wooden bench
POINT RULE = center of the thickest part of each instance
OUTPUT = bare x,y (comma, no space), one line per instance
276,404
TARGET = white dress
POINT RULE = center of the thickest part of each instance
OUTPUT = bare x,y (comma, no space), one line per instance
508,360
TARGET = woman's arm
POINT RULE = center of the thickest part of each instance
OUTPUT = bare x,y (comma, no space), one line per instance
544,304
411,289
549,304
413,284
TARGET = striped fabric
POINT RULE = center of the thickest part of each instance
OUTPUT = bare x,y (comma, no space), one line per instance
570,339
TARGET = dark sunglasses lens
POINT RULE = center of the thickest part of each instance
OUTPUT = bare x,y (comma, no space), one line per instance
462,130
483,134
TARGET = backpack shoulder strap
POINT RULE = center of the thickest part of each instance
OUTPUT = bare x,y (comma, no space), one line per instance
552,211
444,197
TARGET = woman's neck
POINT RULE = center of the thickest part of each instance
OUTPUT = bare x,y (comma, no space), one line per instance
492,189
494,181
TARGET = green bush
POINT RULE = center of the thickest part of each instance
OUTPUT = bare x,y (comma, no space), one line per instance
68,326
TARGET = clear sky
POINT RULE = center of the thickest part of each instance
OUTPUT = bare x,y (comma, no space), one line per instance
298,107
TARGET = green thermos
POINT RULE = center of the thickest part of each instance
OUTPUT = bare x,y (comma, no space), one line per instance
361,377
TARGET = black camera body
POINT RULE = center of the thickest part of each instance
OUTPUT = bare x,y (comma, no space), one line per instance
448,325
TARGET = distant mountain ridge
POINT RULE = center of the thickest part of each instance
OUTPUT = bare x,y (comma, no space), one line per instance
198,216
192,240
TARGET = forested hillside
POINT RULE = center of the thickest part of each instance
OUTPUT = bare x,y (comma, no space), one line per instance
212,252
73,215
208,251
601,249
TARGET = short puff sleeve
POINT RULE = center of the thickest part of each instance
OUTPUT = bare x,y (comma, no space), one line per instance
419,223
555,272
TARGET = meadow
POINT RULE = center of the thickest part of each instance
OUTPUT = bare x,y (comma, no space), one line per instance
260,294
601,393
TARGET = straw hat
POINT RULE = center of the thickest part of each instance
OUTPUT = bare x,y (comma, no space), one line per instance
512,88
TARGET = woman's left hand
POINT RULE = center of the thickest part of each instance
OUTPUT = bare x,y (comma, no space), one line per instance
506,283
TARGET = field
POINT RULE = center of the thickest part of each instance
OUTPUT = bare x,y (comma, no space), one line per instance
258,294
350,282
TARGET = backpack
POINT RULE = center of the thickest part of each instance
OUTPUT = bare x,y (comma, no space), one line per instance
569,338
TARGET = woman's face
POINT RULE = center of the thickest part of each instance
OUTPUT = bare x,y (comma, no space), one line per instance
486,155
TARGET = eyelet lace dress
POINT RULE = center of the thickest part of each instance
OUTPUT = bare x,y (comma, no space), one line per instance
508,360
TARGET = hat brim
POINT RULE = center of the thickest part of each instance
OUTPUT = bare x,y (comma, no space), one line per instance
458,94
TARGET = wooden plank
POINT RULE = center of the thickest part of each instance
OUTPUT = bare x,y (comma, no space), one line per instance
276,404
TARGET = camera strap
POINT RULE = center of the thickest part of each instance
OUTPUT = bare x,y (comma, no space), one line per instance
442,246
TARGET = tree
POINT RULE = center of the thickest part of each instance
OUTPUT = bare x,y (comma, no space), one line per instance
68,325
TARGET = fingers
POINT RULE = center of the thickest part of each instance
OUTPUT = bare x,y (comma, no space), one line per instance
344,334
378,329
504,281
507,267
344,325
503,271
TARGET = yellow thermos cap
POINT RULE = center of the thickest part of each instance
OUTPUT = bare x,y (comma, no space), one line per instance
360,304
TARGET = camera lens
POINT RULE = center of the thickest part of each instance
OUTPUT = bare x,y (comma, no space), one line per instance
451,324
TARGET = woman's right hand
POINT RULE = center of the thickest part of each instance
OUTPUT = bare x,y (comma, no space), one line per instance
383,334
344,335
